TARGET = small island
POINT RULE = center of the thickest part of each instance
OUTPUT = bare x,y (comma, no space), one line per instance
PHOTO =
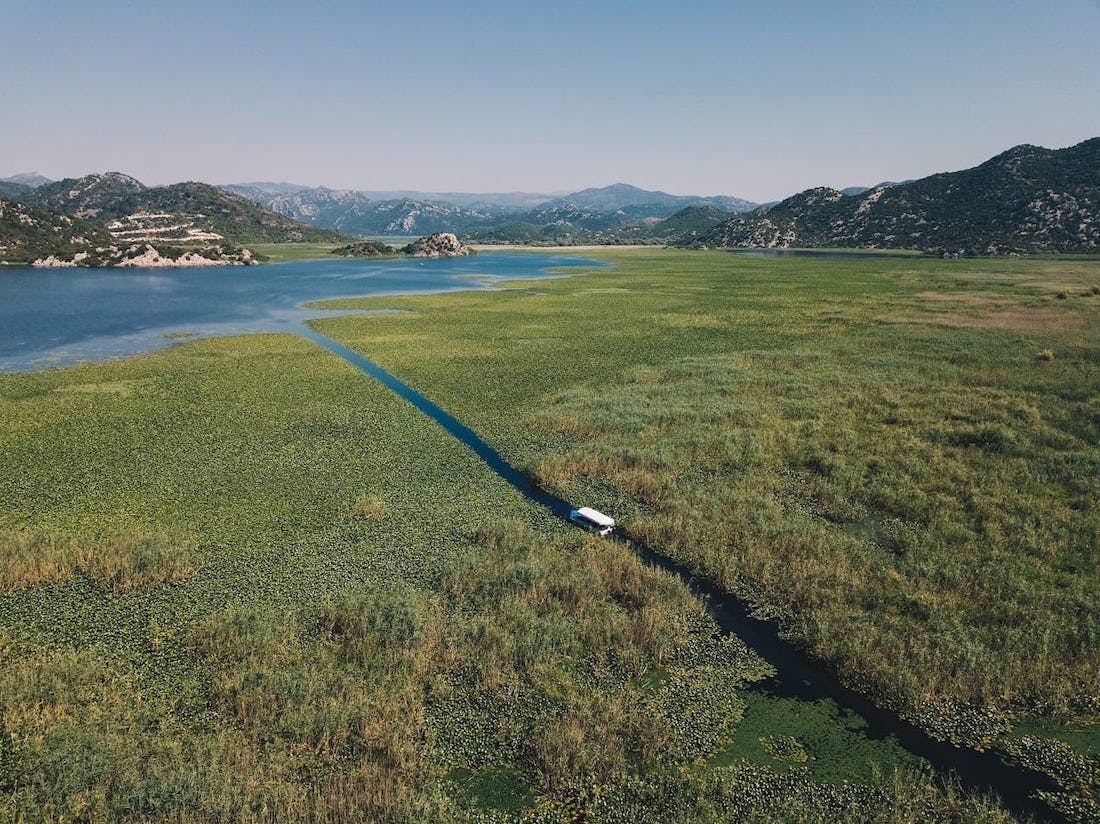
441,244
365,249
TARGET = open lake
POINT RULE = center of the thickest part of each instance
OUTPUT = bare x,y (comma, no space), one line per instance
52,317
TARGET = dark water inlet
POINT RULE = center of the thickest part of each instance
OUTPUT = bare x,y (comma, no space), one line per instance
796,676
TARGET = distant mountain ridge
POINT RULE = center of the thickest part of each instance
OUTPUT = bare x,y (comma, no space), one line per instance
356,213
1027,199
571,225
662,204
599,210
471,200
31,179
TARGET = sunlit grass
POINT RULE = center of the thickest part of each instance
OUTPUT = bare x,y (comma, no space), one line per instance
282,252
367,624
898,457
119,562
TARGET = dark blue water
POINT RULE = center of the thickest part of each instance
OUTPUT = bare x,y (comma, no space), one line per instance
51,317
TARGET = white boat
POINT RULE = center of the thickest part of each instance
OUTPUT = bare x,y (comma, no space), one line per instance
593,520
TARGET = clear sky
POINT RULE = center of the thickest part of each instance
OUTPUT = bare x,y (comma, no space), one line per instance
756,99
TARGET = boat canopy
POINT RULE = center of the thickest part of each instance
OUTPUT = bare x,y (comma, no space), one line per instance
595,516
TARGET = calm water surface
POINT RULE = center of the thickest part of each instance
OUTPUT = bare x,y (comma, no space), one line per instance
52,317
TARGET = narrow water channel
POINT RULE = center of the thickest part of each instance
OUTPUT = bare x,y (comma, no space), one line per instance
796,676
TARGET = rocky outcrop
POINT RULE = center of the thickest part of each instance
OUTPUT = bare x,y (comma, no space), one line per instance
439,245
147,256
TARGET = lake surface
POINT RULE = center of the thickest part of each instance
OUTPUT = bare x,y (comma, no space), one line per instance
53,317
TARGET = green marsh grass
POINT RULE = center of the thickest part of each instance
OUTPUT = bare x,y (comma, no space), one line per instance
118,562
282,252
373,626
868,449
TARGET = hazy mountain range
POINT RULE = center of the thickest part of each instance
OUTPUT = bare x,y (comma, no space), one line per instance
472,200
1027,199
418,213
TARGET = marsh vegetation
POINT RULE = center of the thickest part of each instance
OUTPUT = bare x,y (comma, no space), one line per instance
243,582
896,457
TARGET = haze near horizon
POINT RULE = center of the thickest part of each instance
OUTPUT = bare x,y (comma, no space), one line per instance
757,101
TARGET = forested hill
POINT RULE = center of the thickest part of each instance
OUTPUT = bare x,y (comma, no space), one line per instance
180,213
29,233
1028,199
36,236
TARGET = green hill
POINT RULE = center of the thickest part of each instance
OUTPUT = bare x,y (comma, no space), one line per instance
180,213
1028,199
35,236
658,204
94,197
365,249
29,233
14,191
690,223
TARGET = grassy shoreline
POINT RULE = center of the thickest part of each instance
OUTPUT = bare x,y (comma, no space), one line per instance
284,252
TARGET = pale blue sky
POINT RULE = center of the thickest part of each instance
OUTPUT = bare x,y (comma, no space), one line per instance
757,99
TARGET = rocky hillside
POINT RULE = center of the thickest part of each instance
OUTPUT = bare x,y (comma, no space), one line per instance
612,214
94,197
690,223
356,213
1028,199
442,244
237,219
181,213
29,233
34,236
655,203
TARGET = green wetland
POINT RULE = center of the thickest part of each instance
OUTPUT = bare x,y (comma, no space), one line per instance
239,581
